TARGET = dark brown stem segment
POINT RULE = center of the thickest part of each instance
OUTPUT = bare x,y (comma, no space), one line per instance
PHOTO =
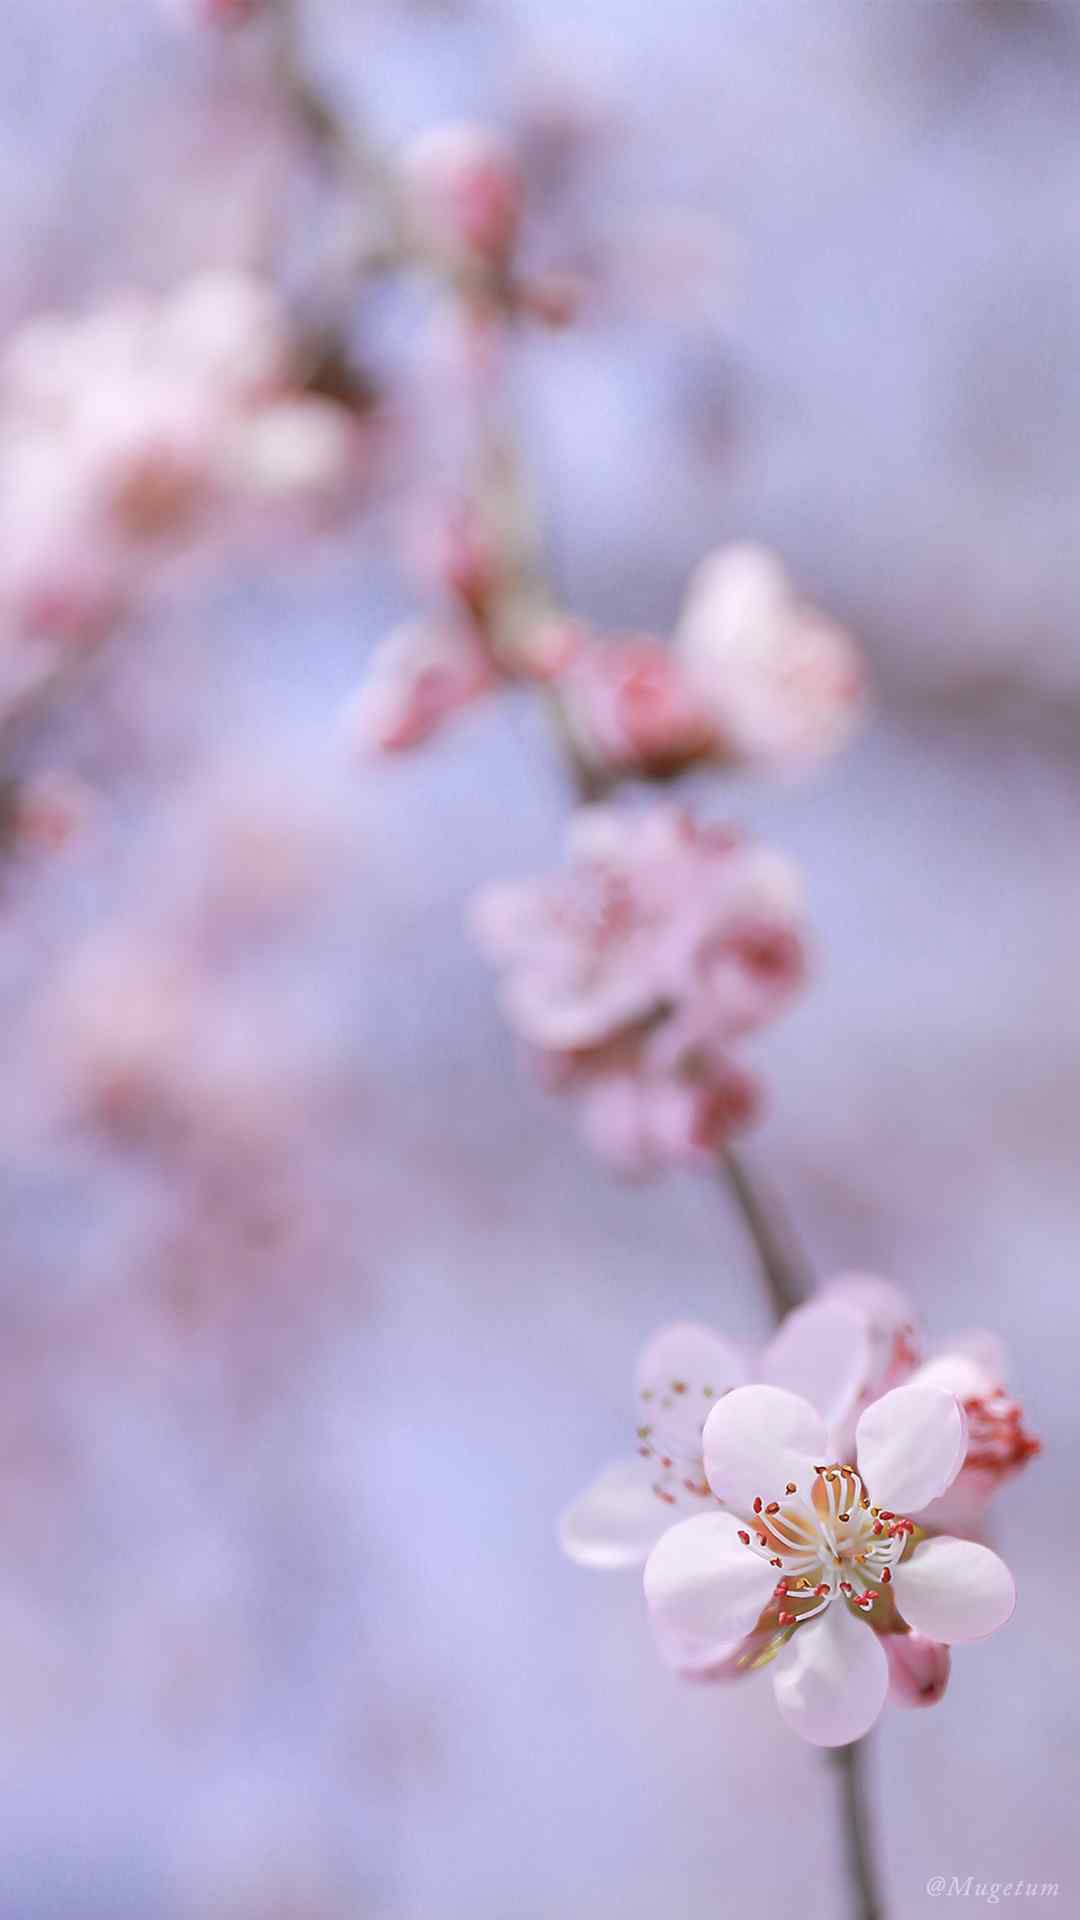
850,1764
784,1267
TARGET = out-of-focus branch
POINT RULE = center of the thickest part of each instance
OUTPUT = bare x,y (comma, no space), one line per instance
783,1265
851,1767
366,237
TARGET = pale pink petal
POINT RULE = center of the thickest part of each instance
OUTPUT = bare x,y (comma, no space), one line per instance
956,1373
918,1669
681,1373
618,1519
822,1351
418,676
961,1508
705,1591
889,1316
758,1441
985,1349
781,680
832,1678
954,1590
910,1445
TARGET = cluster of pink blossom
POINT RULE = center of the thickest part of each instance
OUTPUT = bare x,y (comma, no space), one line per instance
141,436
156,1028
753,676
770,1439
634,975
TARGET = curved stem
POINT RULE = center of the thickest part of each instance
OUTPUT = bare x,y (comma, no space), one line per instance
784,1267
850,1764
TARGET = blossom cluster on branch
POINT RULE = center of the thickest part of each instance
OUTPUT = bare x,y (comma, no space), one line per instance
138,440
635,977
814,1508
744,1504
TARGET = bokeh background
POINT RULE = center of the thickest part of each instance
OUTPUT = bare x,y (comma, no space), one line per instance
284,1631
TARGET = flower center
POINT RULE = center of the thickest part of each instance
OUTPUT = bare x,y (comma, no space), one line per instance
833,1544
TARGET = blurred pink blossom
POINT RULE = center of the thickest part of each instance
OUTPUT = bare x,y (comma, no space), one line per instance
753,676
630,708
634,974
419,675
811,1554
461,196
51,808
781,681
142,432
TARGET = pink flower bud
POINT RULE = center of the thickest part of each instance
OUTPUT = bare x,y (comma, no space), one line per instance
630,709
419,675
461,195
918,1669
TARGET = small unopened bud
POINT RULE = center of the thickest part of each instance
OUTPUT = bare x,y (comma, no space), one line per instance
461,197
918,1669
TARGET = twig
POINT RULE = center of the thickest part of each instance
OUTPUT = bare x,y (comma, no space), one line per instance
784,1267
851,1763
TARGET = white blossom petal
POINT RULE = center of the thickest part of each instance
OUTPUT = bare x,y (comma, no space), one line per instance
681,1373
618,1519
954,1590
832,1678
759,1440
705,1590
823,1351
911,1445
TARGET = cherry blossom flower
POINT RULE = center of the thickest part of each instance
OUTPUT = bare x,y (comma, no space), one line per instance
137,438
852,1342
753,676
633,975
973,1367
681,1372
781,681
819,1559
